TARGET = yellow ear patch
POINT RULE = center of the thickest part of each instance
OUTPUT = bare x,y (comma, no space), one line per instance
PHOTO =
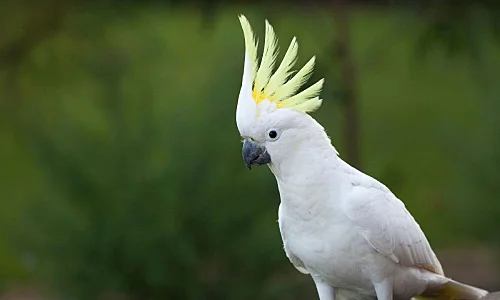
278,87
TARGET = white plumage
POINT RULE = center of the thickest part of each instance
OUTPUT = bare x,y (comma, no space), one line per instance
344,228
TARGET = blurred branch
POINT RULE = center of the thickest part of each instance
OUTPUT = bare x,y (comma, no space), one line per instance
41,24
348,82
36,31
209,9
340,53
450,24
343,57
209,12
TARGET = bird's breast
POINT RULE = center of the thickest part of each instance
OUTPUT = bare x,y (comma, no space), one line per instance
327,245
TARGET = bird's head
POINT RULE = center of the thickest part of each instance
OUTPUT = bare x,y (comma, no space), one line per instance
271,116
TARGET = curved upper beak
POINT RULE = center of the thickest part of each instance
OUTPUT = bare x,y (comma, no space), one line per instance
254,154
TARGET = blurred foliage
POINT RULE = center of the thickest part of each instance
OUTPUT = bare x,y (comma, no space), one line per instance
121,161
458,27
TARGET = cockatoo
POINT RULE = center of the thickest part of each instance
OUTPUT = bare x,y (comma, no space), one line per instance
346,229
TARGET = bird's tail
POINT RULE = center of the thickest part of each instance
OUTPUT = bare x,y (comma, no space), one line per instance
453,290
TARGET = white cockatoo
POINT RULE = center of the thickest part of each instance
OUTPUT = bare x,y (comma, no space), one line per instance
346,229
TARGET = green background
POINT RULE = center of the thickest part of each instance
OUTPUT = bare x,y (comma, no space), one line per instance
120,160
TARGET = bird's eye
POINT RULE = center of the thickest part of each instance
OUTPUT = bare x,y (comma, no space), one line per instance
272,134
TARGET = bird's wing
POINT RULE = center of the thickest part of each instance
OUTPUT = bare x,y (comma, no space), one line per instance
386,224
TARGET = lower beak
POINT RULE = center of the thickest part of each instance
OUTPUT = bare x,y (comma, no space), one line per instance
254,154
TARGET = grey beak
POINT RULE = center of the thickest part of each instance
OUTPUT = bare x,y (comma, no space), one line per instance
254,154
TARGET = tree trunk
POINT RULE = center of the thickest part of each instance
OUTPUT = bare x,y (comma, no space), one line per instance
343,53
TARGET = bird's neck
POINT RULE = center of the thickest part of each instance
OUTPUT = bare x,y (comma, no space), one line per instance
306,174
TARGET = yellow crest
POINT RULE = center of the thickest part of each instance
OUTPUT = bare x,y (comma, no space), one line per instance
279,87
